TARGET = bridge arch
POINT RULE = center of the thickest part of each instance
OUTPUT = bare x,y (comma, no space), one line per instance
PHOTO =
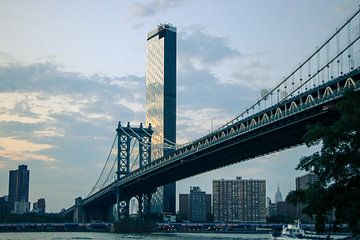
293,106
265,118
309,99
328,91
349,83
278,112
253,123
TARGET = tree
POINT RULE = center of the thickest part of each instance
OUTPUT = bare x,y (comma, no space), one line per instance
337,164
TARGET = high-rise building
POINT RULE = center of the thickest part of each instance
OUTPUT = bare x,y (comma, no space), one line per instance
278,195
198,209
12,188
195,206
161,103
19,188
39,206
305,181
184,206
208,205
239,200
4,206
21,207
302,183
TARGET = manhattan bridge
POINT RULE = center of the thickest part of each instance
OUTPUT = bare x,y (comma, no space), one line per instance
275,122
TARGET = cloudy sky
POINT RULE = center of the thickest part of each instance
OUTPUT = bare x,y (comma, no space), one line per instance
70,70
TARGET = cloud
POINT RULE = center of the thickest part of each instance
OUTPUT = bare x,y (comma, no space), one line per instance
151,8
201,49
2,163
344,6
6,58
251,79
202,89
196,122
135,106
49,132
213,57
249,172
38,92
41,103
20,150
36,107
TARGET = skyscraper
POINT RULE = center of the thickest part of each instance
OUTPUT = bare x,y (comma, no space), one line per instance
19,188
161,103
278,195
239,200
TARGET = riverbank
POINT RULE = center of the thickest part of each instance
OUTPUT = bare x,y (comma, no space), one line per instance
55,227
145,228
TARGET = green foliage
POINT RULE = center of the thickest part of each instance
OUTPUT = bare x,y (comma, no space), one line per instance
337,164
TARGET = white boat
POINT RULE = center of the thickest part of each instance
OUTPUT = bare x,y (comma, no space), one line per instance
294,231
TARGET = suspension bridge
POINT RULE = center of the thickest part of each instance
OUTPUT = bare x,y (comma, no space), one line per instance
275,122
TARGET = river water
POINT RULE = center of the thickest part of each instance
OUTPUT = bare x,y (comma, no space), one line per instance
116,236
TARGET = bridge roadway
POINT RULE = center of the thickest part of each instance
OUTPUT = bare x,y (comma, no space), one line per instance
276,128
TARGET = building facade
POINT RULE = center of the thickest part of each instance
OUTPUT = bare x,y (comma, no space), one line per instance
4,206
21,207
184,206
39,206
302,183
305,181
198,209
12,188
239,200
19,189
196,206
161,104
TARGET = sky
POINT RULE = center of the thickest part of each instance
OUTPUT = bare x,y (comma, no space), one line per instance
70,70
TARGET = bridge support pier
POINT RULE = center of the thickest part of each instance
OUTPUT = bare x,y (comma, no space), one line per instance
144,200
79,213
122,207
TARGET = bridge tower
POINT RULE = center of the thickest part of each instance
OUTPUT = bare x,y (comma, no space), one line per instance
125,134
143,136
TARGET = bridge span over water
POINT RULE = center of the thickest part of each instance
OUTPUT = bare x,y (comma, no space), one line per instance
308,95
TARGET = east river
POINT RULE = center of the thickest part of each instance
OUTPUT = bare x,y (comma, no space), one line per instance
113,236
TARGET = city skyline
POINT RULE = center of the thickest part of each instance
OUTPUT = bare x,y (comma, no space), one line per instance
66,86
